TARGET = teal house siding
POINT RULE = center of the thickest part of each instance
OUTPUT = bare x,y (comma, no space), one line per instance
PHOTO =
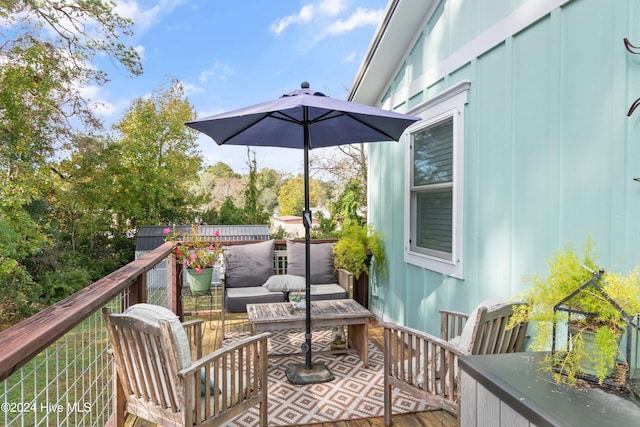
549,152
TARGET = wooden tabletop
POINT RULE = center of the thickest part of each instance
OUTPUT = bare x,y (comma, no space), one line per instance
284,311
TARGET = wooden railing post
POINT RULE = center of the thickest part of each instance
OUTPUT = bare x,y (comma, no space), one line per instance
361,289
138,290
177,270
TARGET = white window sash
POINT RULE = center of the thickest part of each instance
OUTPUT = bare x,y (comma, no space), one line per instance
449,103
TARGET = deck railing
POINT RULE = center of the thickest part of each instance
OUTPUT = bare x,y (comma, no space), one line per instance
54,366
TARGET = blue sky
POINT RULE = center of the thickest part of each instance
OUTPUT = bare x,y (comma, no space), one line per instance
229,54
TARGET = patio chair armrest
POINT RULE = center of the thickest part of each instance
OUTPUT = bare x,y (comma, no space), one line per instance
345,280
451,323
423,365
424,336
207,360
193,329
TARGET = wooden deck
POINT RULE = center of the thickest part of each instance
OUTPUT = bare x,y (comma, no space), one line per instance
418,419
438,418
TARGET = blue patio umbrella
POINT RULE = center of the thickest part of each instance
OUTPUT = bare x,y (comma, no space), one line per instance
304,119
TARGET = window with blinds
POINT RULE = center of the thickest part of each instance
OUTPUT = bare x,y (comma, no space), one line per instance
434,177
432,190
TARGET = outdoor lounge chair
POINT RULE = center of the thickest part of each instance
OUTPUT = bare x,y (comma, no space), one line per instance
426,366
161,377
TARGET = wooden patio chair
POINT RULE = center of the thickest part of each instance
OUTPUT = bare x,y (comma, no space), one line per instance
161,377
426,366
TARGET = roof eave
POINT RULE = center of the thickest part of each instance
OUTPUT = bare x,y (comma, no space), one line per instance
400,25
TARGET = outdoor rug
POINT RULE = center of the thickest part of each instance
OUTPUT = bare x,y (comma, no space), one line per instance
355,393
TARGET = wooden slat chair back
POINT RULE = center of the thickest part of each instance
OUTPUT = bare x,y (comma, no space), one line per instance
426,366
491,333
151,383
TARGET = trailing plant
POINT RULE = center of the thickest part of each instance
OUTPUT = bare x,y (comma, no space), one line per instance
603,304
357,245
196,252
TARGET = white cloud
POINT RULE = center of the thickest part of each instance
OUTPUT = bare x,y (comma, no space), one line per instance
220,71
190,89
332,7
97,99
351,57
140,49
361,17
308,13
143,19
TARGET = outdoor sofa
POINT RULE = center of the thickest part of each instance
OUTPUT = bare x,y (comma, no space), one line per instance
258,273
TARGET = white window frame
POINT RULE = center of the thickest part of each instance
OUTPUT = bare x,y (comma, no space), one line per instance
449,103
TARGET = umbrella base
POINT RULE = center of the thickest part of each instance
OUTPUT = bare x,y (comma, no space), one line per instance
298,374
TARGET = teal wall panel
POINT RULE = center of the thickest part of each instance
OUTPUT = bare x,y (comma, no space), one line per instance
549,152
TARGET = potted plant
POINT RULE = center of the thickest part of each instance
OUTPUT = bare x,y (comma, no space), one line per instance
594,305
357,246
197,254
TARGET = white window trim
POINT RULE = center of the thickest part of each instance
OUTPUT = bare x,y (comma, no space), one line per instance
449,103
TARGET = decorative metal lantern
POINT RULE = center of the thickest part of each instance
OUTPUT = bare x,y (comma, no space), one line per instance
626,376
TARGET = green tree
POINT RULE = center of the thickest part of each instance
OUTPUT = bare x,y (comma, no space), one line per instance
155,162
291,195
46,55
83,29
254,211
269,183
222,170
229,214
346,208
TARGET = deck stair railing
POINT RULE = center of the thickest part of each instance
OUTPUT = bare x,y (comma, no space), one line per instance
54,366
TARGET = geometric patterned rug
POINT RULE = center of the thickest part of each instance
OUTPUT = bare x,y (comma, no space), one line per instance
355,393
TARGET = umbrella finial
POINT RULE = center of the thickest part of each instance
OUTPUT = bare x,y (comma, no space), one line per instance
304,85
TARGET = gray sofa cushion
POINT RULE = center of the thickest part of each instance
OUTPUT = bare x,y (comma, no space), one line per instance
250,264
322,269
236,299
327,292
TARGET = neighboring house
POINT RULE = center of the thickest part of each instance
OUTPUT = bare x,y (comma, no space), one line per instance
524,145
292,225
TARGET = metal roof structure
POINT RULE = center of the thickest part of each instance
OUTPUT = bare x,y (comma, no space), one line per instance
150,237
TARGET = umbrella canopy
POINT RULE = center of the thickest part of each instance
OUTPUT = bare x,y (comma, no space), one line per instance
304,119
281,122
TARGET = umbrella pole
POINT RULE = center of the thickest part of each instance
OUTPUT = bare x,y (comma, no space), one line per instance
306,219
308,373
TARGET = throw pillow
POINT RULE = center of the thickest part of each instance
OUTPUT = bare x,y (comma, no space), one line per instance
249,264
152,314
285,283
322,270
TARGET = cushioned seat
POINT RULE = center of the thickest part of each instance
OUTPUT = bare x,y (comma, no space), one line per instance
327,292
255,273
236,299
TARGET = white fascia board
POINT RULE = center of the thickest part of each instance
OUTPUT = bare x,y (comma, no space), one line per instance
397,33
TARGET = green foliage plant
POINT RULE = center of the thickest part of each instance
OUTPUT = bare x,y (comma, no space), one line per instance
356,242
568,271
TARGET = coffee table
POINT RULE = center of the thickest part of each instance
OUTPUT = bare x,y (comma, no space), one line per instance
283,316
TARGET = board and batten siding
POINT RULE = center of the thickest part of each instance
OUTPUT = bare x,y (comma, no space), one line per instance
549,153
